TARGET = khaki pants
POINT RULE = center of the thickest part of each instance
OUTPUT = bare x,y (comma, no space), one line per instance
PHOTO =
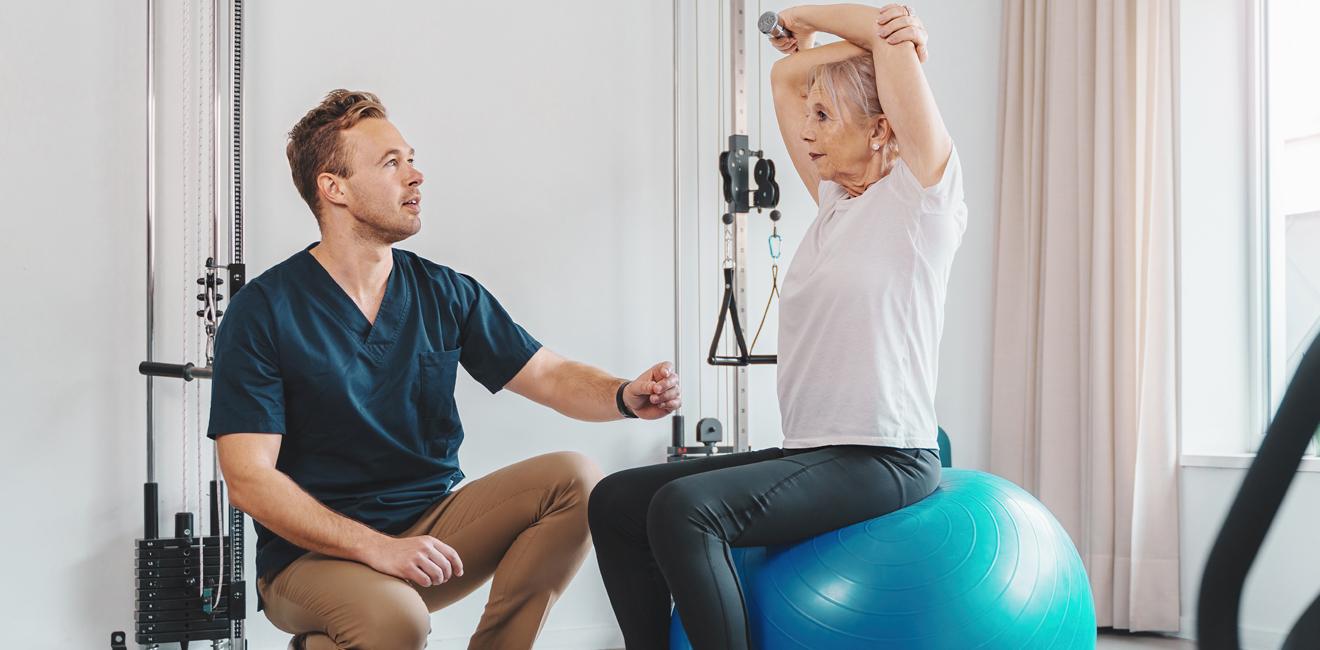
525,525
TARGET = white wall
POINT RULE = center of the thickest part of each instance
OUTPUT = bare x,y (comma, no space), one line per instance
72,133
548,162
964,71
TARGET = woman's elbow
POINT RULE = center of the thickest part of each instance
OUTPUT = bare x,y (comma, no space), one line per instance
786,92
777,74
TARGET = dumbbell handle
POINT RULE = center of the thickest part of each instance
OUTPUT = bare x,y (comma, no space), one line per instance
769,25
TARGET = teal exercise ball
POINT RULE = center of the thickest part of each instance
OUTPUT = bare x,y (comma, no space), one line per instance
979,563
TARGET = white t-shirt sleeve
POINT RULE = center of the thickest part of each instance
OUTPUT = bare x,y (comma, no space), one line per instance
939,198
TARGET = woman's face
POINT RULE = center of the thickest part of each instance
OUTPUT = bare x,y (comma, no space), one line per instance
839,142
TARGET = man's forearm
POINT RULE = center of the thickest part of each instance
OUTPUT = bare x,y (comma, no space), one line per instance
272,498
586,393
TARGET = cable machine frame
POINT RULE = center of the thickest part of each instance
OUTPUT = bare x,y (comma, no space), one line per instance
172,603
739,200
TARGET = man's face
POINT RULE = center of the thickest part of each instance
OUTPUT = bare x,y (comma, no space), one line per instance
383,192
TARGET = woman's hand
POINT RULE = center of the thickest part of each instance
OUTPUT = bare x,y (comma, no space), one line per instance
799,35
896,24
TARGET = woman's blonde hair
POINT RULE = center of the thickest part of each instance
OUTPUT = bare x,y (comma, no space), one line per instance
854,80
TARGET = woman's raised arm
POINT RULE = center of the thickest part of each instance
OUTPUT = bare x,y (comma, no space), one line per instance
924,142
788,85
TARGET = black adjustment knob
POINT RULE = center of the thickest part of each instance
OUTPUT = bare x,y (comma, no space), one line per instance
219,281
767,190
774,215
219,313
219,297
201,313
727,218
709,431
726,177
201,281
201,296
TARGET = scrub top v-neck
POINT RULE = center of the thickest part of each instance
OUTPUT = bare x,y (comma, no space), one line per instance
366,411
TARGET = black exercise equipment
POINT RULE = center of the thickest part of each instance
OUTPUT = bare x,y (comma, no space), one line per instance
741,199
733,174
1253,512
709,433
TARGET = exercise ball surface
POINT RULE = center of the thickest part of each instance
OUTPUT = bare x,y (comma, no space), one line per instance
980,563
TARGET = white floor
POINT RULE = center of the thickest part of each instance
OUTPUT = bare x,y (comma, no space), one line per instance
1118,641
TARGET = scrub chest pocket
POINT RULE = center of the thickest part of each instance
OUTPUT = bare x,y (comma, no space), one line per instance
441,430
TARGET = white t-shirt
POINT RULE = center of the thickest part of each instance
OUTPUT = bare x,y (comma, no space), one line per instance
862,311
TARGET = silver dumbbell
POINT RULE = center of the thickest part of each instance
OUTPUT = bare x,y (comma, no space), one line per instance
769,25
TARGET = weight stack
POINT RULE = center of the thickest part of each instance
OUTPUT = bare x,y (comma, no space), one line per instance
170,608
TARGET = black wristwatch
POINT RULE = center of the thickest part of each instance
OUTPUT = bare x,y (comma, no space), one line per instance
618,402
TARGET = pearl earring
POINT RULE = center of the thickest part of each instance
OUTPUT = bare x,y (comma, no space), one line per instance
875,146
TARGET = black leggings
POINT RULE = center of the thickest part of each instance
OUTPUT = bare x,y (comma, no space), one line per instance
666,529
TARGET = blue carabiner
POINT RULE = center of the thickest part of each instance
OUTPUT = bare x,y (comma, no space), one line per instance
776,243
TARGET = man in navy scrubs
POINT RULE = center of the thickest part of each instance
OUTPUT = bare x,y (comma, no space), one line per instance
333,410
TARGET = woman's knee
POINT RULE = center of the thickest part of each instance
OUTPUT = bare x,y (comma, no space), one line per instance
614,499
677,507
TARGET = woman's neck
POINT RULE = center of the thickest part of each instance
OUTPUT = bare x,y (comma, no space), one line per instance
856,184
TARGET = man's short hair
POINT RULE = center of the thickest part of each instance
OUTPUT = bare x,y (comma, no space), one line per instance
315,145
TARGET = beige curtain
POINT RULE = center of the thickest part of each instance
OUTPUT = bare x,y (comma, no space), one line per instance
1083,407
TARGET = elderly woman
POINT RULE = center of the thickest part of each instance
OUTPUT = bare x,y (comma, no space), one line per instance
860,323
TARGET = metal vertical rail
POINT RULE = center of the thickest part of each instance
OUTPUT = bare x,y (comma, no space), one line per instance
236,126
218,196
237,637
150,518
677,212
738,125
676,422
217,193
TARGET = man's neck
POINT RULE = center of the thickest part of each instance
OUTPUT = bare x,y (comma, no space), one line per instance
360,268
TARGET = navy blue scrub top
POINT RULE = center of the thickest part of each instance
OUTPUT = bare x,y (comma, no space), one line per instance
367,411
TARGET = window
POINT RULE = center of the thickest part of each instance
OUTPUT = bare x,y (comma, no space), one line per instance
1290,187
1249,217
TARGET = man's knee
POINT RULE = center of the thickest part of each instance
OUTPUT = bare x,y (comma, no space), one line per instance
574,475
393,623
